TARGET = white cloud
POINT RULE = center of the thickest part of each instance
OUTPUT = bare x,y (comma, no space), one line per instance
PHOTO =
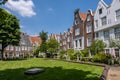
50,9
23,7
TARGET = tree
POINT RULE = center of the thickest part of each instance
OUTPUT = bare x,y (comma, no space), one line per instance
43,47
9,30
43,35
3,1
52,46
36,51
97,46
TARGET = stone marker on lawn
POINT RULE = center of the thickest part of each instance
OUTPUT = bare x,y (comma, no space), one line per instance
33,71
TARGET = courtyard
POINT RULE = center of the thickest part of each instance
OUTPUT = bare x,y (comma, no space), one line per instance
54,70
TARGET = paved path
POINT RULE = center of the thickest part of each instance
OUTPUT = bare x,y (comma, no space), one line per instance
114,73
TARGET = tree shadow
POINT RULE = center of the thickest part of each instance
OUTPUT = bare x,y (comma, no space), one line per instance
55,73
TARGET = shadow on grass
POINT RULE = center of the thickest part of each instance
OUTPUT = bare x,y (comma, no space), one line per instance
16,59
55,73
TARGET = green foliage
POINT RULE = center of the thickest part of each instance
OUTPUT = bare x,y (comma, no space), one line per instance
97,46
9,29
43,35
115,43
71,54
62,54
52,45
43,47
102,58
84,53
3,1
36,51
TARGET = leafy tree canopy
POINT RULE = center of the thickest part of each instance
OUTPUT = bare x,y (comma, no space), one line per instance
52,45
97,46
9,29
43,35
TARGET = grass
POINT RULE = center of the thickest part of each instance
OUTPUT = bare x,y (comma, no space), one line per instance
54,70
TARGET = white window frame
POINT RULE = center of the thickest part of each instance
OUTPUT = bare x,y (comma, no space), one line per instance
118,14
89,28
88,18
89,41
104,21
106,35
77,31
117,33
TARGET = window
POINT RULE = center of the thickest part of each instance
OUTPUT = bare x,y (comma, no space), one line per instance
89,28
96,23
68,39
96,35
11,47
89,41
103,21
88,18
117,33
22,47
80,42
76,45
100,11
117,52
10,55
106,35
118,14
77,31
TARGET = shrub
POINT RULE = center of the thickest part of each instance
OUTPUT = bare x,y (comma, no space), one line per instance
102,58
85,52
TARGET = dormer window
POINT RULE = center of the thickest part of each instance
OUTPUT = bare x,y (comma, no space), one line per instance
100,11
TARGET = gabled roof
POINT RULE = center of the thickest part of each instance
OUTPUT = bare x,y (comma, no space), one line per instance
35,39
83,15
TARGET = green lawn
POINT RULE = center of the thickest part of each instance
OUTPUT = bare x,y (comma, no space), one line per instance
54,70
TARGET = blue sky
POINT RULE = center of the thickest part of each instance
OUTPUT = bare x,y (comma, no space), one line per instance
52,16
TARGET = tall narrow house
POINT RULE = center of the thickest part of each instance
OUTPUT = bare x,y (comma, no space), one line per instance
89,29
78,30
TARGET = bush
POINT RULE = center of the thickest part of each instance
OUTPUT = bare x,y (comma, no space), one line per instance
85,52
102,58
86,59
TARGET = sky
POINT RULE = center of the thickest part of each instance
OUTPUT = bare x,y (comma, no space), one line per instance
52,16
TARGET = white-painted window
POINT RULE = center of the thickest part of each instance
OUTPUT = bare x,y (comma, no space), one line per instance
76,43
88,18
117,53
22,47
89,41
117,33
80,42
68,39
89,28
118,14
106,35
96,23
77,31
104,21
100,11
11,47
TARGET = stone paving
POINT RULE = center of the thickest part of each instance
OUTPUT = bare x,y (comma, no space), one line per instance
114,73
